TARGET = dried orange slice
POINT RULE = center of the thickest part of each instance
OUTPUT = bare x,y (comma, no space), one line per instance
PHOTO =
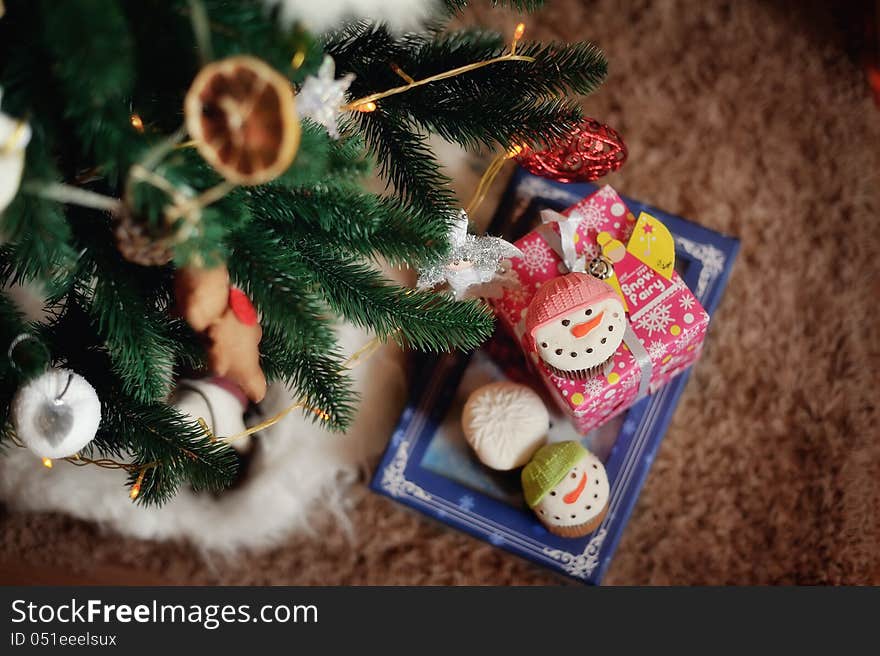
241,114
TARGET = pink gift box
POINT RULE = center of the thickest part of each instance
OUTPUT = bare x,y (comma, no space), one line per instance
670,325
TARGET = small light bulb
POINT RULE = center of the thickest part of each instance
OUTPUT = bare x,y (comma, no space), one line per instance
137,122
298,58
367,107
136,488
519,31
47,463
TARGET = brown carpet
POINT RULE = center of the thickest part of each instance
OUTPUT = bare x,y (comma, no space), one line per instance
752,118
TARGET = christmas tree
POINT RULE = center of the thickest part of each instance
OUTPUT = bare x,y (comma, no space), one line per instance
184,181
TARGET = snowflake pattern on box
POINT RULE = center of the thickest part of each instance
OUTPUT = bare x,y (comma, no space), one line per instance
629,382
536,257
593,387
693,334
656,350
590,251
656,319
687,302
681,342
590,215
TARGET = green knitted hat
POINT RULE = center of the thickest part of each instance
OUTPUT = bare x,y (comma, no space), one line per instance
548,467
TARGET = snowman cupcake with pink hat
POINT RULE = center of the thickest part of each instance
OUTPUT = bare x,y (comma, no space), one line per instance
575,323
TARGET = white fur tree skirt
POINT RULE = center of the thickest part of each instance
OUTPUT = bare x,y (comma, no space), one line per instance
298,470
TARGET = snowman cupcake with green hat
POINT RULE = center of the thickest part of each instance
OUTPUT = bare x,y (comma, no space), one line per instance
567,487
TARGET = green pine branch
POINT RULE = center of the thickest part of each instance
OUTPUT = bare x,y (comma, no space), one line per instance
558,68
189,347
129,308
505,103
205,239
319,378
93,64
422,320
157,434
357,46
141,350
358,222
36,228
298,345
403,155
407,162
500,104
276,281
501,122
320,157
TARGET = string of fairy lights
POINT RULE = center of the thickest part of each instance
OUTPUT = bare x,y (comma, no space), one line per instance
71,194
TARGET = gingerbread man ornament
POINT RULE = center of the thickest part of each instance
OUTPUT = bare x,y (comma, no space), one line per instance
225,315
235,346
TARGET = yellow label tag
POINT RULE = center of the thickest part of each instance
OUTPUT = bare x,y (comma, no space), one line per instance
652,243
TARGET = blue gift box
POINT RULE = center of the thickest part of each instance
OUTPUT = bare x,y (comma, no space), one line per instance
428,466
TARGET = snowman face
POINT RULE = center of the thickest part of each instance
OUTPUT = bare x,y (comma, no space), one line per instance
579,497
584,338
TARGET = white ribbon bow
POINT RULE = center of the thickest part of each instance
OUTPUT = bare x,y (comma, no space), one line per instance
568,226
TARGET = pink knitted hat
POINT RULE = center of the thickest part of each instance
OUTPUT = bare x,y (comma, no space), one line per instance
561,296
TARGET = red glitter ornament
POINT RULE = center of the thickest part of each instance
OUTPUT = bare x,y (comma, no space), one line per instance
591,151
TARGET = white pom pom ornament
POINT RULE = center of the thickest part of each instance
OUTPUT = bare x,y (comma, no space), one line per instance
56,414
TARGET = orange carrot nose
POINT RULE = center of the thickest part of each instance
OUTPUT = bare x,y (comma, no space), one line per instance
572,496
582,329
